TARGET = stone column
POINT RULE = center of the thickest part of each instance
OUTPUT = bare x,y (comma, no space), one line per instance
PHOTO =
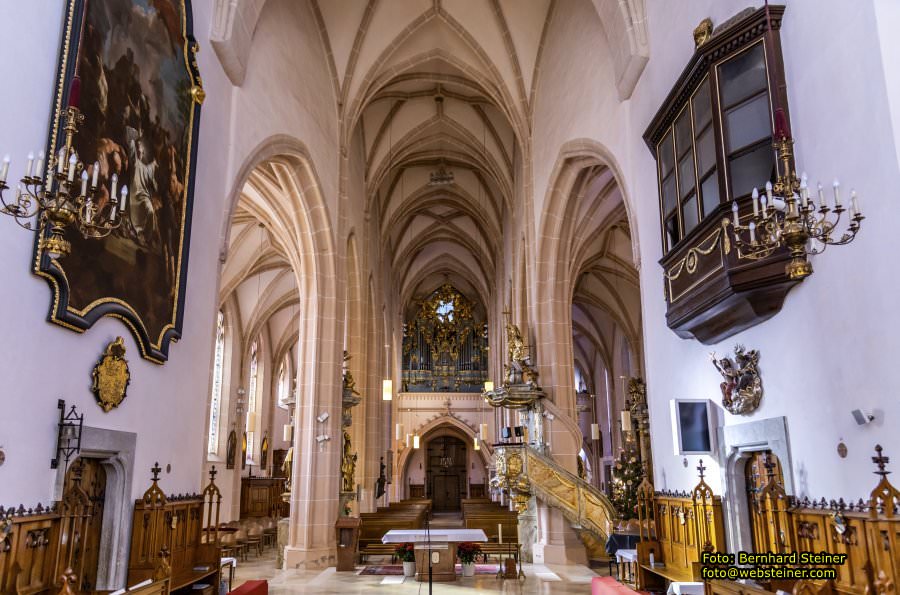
316,476
528,530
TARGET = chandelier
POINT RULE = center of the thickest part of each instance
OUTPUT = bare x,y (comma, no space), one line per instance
786,216
65,195
441,177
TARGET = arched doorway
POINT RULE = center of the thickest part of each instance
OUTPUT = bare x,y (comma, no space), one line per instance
760,468
445,472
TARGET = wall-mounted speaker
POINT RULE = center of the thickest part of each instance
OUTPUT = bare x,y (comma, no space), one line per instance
507,433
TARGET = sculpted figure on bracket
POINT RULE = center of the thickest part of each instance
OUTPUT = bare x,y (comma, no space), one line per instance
742,387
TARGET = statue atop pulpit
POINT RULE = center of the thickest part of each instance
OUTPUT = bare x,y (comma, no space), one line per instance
519,369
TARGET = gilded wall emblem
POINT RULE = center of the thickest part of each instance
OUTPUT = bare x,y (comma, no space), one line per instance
111,375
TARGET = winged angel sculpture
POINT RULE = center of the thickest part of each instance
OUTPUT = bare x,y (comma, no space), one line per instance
742,387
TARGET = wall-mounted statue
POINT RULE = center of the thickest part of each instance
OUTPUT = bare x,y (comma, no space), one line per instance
348,466
382,479
349,395
742,389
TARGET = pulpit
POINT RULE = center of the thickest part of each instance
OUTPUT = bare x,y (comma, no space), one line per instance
439,544
347,537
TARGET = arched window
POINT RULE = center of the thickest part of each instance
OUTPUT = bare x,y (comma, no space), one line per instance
215,402
251,400
284,390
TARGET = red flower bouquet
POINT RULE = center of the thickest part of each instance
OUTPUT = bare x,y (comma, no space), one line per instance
405,552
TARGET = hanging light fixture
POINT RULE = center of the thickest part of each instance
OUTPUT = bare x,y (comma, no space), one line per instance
488,386
65,194
387,390
416,440
398,432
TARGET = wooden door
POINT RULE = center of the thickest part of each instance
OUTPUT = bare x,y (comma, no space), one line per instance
85,555
757,474
446,493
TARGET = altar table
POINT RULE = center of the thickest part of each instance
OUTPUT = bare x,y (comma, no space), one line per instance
443,543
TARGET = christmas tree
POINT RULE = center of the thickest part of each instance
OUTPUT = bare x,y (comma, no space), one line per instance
627,476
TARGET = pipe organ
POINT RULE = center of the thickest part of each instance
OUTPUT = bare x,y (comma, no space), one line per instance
445,344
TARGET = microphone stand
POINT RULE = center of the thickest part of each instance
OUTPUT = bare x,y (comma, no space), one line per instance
428,539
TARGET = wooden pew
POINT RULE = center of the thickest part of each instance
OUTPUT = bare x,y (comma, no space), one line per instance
374,525
180,531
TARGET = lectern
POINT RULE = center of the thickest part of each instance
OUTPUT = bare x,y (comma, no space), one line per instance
347,532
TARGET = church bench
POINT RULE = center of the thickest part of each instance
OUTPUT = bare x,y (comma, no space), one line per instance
507,548
377,549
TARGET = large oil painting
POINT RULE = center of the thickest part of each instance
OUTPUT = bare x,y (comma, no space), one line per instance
140,95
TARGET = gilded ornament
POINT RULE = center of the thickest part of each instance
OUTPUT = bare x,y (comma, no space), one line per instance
742,387
111,376
703,32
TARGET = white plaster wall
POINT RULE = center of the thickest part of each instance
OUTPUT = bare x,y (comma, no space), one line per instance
831,348
166,405
44,362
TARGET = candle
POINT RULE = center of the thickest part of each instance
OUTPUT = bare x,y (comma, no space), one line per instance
96,174
804,191
765,204
734,212
755,196
73,160
61,160
769,194
28,166
38,171
837,194
483,430
115,184
854,204
822,204
124,197
4,170
84,181
113,213
88,210
500,532
595,431
752,232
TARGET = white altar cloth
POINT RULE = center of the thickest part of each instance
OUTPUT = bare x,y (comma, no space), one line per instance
437,535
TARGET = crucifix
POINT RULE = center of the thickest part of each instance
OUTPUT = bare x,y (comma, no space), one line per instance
881,461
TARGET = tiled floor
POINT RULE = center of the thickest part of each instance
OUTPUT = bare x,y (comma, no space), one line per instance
540,579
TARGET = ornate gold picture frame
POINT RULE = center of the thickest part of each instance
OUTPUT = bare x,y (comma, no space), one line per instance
140,95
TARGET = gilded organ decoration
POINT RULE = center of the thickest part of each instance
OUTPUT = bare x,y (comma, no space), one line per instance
445,344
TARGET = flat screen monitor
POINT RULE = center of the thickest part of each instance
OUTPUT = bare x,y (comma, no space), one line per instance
694,428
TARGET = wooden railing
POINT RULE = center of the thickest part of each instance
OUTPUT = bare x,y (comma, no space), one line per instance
678,527
40,545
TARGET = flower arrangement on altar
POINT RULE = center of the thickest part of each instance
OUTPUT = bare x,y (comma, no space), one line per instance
468,552
405,552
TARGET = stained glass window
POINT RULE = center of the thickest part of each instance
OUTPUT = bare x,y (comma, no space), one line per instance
251,399
215,403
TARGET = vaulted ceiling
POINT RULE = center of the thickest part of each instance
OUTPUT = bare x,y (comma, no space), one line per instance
433,86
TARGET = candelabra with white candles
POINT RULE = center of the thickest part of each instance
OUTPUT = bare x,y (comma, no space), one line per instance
64,195
785,215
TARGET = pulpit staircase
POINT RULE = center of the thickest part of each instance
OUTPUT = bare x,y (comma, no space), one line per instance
583,505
